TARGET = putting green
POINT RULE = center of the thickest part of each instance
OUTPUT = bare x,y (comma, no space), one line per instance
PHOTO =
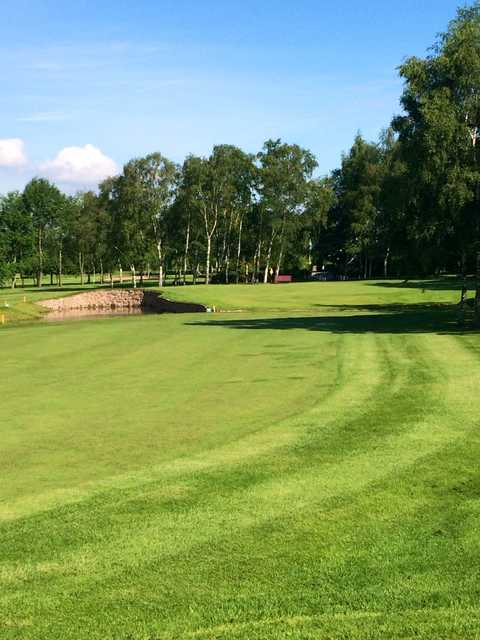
305,469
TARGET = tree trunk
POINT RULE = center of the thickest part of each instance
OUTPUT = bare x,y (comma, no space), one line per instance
224,247
14,278
134,276
253,279
40,258
239,248
227,262
185,253
282,247
476,304
225,258
81,265
279,261
121,274
256,261
385,263
210,227
207,266
277,267
477,290
60,267
267,264
160,263
463,294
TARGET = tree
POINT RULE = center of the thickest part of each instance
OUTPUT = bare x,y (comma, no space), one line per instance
283,186
392,213
139,200
439,135
42,201
239,174
148,190
358,186
129,236
88,222
16,236
202,187
319,202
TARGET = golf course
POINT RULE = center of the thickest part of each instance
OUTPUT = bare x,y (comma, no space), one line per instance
303,463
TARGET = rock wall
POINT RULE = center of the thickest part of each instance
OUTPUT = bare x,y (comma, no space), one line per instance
121,299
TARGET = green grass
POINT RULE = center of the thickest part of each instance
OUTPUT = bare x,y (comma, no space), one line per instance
17,305
313,296
305,469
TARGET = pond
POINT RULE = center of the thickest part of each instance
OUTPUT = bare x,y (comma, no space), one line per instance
81,314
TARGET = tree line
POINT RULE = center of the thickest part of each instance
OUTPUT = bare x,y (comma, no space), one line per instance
407,204
230,217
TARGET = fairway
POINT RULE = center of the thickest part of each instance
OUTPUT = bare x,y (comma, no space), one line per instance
304,464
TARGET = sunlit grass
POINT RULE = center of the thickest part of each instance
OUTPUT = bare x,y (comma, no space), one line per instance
307,468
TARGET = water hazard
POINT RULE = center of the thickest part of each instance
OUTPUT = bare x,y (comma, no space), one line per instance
81,314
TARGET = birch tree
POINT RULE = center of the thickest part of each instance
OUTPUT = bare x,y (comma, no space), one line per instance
285,170
439,135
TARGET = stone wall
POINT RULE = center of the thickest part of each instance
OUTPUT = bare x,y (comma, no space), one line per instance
120,299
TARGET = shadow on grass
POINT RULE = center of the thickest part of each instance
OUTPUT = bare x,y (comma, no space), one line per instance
440,319
394,307
448,283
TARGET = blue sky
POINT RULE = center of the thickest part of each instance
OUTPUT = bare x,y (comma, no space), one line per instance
129,77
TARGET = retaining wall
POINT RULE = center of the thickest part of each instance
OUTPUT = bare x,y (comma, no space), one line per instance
121,299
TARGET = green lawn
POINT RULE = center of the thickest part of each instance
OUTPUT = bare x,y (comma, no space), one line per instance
308,468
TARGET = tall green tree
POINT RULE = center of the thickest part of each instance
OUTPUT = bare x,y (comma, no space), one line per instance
148,187
239,175
392,212
439,134
204,183
358,184
42,201
285,171
16,236
319,202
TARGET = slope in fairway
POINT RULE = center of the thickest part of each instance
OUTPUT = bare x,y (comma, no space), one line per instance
305,469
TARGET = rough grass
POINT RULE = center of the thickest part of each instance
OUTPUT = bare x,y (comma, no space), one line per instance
305,469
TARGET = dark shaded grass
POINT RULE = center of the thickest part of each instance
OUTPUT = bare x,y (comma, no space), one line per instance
441,319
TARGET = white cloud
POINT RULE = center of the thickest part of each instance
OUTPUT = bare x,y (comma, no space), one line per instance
12,153
80,165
